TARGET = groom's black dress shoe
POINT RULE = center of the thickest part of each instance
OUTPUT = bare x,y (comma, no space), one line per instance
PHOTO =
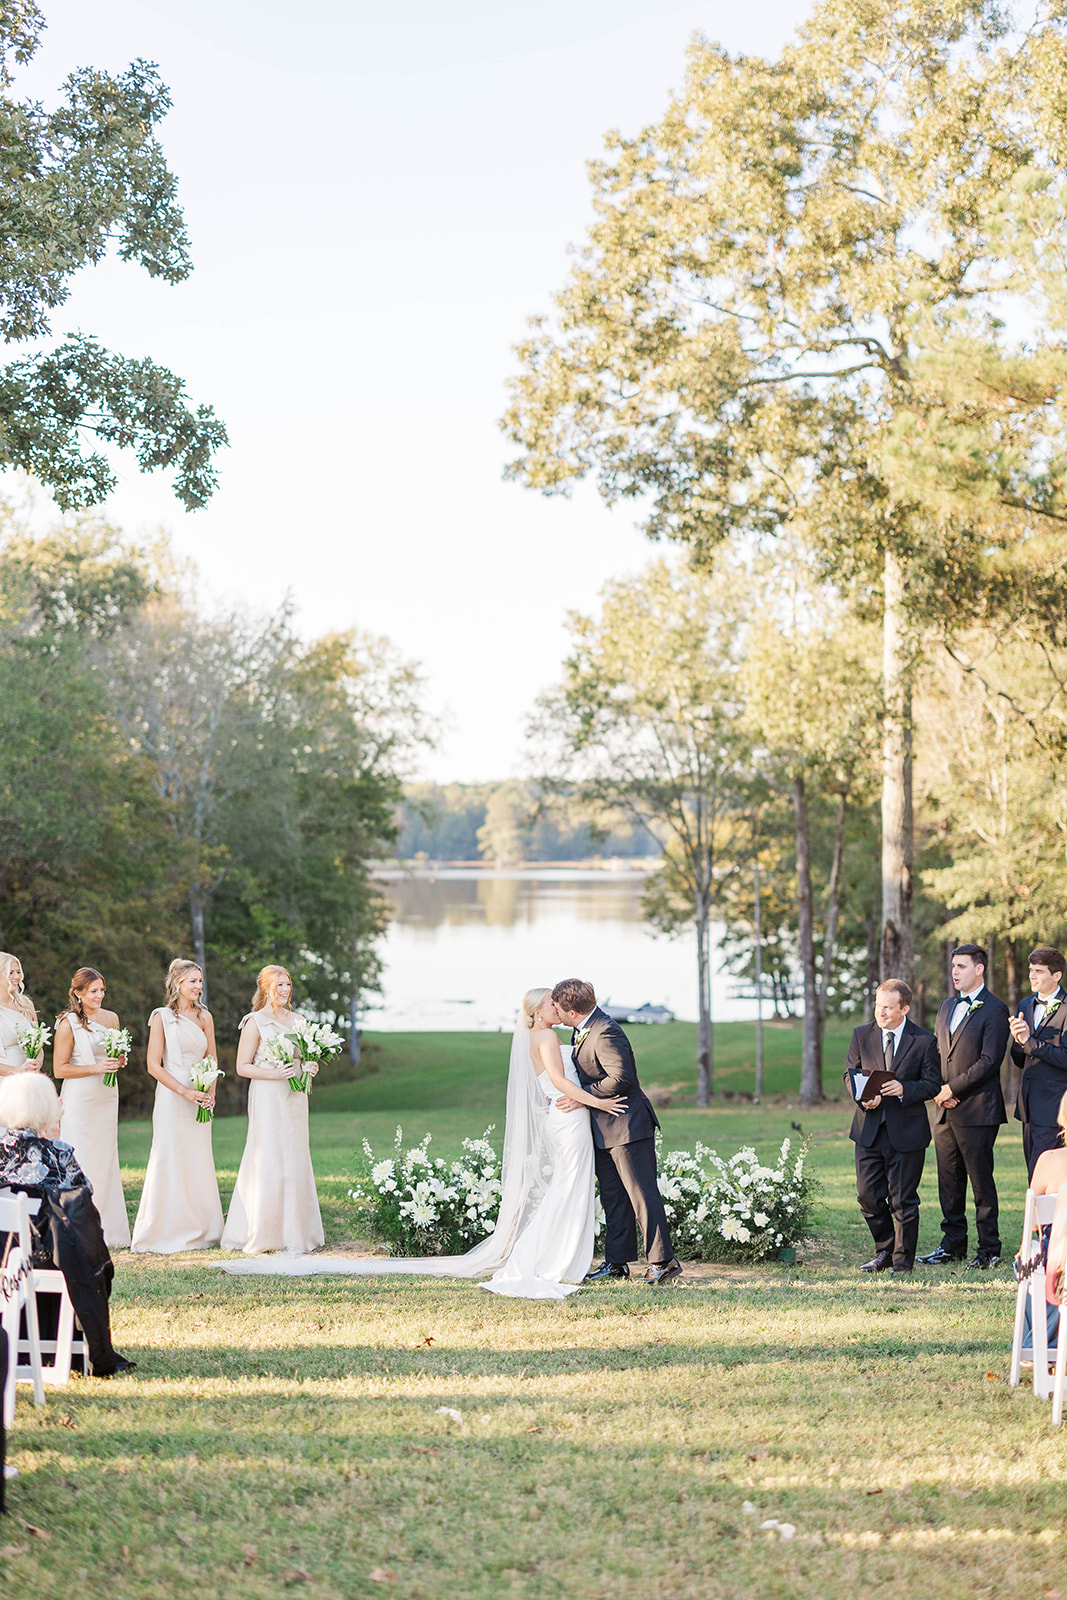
610,1269
878,1263
662,1272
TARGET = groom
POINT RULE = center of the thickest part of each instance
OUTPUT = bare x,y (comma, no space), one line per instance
625,1146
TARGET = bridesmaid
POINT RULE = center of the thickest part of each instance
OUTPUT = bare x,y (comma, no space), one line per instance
274,1206
90,1107
16,1012
180,1207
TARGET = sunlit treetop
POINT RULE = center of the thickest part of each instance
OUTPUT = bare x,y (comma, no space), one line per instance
76,182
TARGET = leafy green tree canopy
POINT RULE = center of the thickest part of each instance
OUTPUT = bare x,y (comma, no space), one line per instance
74,181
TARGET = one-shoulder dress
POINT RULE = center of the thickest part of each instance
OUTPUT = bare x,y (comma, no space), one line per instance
275,1205
180,1207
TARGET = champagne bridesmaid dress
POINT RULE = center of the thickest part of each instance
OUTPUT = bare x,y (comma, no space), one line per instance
10,1022
91,1125
274,1206
180,1207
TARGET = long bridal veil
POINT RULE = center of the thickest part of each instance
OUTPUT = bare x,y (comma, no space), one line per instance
526,1172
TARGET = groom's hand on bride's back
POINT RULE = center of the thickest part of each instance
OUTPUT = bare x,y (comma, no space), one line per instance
614,1106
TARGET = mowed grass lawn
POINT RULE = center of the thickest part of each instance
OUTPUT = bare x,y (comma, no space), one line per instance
284,1435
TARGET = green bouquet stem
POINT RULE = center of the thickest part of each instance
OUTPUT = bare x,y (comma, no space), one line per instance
111,1080
300,1083
204,1114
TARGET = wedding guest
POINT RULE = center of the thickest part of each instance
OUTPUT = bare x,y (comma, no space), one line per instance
1039,1049
66,1229
180,1207
890,1128
275,1205
972,1036
90,1106
1048,1177
1056,1260
16,1013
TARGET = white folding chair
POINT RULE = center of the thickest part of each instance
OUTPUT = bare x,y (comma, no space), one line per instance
18,1296
69,1343
1038,1214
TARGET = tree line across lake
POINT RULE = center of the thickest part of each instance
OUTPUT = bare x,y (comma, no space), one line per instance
177,779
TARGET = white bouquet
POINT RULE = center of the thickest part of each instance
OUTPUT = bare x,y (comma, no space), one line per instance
314,1042
280,1051
33,1036
117,1043
202,1075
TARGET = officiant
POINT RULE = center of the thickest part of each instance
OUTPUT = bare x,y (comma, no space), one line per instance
892,1070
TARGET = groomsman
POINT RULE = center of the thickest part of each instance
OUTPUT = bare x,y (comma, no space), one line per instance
890,1129
972,1036
1039,1048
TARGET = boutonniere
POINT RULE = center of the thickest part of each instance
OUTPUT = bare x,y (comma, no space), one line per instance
580,1037
975,1005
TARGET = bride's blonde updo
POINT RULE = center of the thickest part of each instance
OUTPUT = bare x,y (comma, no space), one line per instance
531,1000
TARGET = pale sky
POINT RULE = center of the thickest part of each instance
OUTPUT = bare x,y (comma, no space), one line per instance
378,197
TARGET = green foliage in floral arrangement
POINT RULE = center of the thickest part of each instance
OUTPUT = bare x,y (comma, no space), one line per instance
719,1210
421,1206
736,1209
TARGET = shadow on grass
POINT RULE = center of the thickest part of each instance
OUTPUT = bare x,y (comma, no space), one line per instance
323,1363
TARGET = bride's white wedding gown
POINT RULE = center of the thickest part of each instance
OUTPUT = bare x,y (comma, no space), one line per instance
554,1251
542,1244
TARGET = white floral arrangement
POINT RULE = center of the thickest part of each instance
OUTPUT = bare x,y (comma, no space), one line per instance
314,1042
32,1036
735,1209
419,1205
117,1043
202,1074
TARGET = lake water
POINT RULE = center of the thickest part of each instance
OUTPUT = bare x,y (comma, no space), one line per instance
464,944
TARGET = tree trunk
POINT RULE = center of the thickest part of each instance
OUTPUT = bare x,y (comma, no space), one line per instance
897,944
758,1095
833,911
353,1004
1011,973
811,1063
1011,966
873,954
705,1049
196,913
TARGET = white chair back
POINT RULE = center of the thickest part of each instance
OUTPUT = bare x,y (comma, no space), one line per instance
18,1296
1037,1214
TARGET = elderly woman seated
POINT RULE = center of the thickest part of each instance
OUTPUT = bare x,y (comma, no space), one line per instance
66,1228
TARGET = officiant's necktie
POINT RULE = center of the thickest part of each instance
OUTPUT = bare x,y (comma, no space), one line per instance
887,1052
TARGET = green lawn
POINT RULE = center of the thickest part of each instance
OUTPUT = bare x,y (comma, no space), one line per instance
284,1435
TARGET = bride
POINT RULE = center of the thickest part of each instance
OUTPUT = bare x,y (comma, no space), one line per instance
542,1244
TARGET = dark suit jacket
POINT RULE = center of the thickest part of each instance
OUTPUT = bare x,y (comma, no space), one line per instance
606,1067
916,1065
1043,1059
971,1060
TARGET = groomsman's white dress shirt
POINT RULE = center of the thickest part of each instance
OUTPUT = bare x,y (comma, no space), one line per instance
963,1005
1043,1007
